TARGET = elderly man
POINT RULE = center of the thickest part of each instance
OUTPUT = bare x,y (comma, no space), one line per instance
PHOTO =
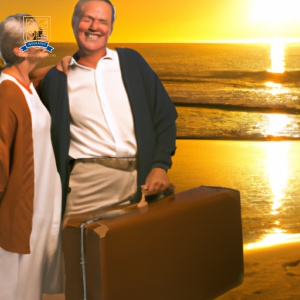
110,115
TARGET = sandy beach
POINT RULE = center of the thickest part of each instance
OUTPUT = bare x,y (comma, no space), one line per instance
272,272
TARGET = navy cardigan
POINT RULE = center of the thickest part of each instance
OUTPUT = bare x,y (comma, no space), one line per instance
153,112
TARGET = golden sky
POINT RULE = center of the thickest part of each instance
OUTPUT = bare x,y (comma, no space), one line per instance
175,21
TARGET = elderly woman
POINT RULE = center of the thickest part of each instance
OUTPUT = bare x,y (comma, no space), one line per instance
30,187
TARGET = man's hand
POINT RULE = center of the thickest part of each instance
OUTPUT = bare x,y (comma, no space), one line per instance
64,64
36,76
156,182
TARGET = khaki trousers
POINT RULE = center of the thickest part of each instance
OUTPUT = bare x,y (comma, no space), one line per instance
94,186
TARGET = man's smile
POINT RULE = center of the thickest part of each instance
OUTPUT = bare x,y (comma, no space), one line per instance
92,36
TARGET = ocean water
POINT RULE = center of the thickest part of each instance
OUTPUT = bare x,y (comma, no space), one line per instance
267,174
220,90
221,93
224,92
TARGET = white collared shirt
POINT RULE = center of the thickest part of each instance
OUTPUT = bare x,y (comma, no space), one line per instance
101,117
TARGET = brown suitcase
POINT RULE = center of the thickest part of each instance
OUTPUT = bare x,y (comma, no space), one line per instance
187,246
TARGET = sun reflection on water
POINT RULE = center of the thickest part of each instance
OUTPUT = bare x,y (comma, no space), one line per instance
277,167
273,85
277,45
275,238
277,123
276,88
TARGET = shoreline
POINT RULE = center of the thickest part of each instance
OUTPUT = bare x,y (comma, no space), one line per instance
240,108
268,138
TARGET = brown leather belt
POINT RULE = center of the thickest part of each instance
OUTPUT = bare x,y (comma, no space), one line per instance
120,163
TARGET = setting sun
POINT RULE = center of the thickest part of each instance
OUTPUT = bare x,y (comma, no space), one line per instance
276,11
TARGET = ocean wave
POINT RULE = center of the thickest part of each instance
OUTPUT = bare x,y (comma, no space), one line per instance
229,107
239,138
287,77
210,123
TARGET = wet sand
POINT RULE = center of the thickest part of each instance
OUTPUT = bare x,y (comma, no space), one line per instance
267,174
271,273
230,164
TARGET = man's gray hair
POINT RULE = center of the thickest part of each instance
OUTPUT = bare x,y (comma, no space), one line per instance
77,14
11,36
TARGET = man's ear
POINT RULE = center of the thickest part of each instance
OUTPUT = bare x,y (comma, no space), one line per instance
111,28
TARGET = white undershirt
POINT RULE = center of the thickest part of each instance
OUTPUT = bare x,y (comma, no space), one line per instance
101,117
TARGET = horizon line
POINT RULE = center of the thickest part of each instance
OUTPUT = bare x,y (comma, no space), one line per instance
228,41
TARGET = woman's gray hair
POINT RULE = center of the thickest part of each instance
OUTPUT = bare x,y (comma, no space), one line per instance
11,36
77,14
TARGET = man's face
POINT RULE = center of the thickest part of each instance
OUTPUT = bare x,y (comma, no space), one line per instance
94,27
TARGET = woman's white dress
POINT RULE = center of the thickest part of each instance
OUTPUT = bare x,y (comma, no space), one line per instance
28,276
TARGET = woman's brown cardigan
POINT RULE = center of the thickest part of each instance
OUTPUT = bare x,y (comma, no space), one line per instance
16,170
